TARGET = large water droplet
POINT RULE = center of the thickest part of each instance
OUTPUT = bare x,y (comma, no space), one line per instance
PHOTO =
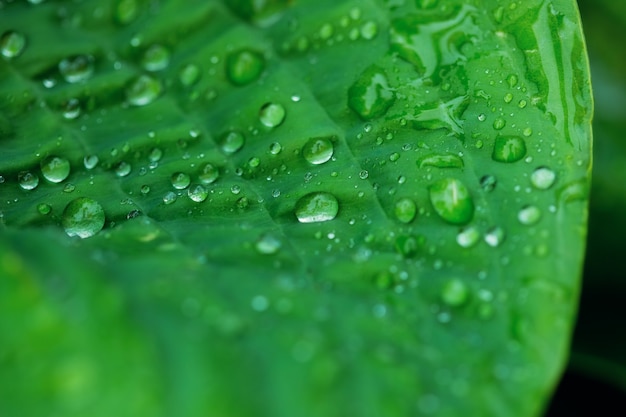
180,180
452,201
232,141
318,150
454,293
244,66
405,210
198,193
529,215
83,217
77,68
543,178
441,161
272,114
371,96
208,174
12,44
55,169
27,180
316,207
268,244
143,90
508,149
156,58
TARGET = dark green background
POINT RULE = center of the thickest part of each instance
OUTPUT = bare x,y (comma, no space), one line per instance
595,380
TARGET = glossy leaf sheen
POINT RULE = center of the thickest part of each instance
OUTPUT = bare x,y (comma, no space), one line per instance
216,299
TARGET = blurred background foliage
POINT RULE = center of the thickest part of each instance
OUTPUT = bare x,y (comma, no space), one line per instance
596,376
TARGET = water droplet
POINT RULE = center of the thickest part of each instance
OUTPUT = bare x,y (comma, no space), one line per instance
499,123
77,68
169,197
409,246
242,203
122,169
12,44
156,58
508,97
495,236
189,75
27,180
326,31
512,80
371,96
488,182
268,244
543,178
316,207
55,169
44,208
208,174
405,210
126,11
508,149
318,150
180,180
441,161
482,117
244,66
91,161
197,193
143,90
231,141
394,157
369,30
145,189
454,293
71,109
272,114
364,174
468,237
529,215
83,217
452,201
69,188
155,155
275,148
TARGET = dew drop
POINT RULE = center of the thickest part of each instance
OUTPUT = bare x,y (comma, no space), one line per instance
143,90
169,197
83,217
405,210
371,96
318,150
482,117
90,161
155,155
208,174
441,161
268,244
454,293
509,149
197,193
488,183
71,109
369,30
180,180
126,11
145,189
189,75
452,201
275,148
44,208
27,180
55,169
529,215
468,237
232,141
495,236
12,44
272,114
364,174
122,169
543,178
316,207
244,66
156,58
77,68
499,123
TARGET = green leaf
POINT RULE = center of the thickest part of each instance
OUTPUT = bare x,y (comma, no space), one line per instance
311,208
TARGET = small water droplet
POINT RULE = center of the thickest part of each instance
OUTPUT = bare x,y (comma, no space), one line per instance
143,90
499,123
83,217
371,96
55,169
512,80
232,141
272,114
268,244
145,189
69,188
197,193
169,197
318,150
394,156
316,207
405,210
155,155
235,189
122,169
364,174
156,58
71,109
189,75
509,149
244,66
543,178
454,293
180,180
275,148
12,44
77,68
468,237
369,30
44,208
482,117
209,174
488,182
27,180
126,11
529,215
495,236
441,161
452,201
